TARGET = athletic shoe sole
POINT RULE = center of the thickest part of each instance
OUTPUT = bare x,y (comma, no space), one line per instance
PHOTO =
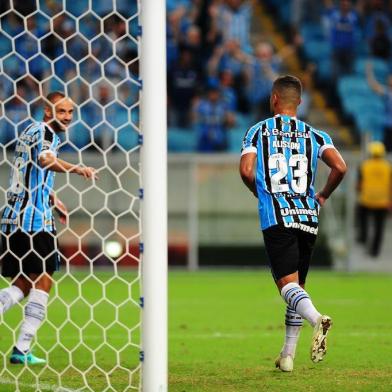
319,341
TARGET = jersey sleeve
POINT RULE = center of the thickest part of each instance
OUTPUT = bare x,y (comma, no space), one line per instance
249,142
49,142
324,142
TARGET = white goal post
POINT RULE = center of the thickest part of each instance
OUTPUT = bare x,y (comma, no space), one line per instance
154,205
105,328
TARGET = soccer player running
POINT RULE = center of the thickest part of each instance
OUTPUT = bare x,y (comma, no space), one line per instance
285,151
28,234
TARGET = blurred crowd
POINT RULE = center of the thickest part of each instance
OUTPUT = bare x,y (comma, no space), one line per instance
99,71
350,44
218,77
351,28
217,80
220,68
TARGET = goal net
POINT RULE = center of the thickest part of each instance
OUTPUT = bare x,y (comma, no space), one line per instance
88,49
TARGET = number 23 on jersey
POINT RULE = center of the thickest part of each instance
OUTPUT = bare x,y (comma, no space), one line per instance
297,163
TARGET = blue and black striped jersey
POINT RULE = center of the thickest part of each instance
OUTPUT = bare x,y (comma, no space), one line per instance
28,207
287,152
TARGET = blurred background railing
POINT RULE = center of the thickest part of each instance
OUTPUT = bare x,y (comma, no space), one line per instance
213,218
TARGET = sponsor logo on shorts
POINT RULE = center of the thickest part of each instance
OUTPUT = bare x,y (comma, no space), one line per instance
301,226
298,211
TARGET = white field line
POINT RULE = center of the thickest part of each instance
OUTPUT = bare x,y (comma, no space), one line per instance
242,336
86,337
42,387
224,335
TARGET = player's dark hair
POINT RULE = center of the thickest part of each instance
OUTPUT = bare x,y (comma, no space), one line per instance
287,82
52,97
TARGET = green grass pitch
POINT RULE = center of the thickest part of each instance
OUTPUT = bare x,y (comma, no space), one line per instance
225,330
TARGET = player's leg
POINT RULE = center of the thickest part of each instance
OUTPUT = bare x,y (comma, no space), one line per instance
9,297
318,347
13,249
379,224
23,283
290,285
34,315
293,320
293,323
297,298
362,224
42,263
282,250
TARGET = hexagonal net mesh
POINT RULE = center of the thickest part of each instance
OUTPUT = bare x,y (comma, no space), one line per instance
89,50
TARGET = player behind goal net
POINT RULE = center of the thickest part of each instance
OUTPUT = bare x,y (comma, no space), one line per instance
69,292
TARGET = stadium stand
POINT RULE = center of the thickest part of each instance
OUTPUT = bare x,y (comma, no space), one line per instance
348,91
210,43
229,50
92,126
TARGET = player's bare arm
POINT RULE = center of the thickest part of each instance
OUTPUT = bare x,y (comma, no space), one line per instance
60,208
247,164
334,160
51,162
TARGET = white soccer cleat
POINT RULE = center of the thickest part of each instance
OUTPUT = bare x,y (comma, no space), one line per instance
319,340
285,364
